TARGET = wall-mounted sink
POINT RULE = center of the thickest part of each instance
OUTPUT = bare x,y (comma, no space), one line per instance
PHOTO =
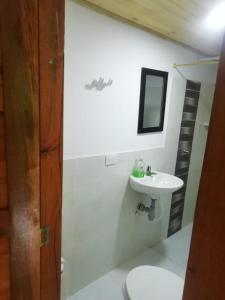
157,184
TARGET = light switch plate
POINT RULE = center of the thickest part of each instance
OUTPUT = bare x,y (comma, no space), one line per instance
111,160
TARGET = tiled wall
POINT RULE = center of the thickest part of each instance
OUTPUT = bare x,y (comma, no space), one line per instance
191,100
100,227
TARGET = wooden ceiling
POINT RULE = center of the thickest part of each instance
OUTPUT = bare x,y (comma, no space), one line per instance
182,21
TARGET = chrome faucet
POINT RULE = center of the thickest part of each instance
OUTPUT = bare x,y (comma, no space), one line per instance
149,171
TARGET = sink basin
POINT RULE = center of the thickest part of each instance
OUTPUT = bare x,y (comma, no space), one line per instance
158,184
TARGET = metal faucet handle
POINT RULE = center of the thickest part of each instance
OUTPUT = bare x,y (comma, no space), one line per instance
149,170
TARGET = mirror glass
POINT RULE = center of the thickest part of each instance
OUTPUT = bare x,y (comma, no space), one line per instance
152,100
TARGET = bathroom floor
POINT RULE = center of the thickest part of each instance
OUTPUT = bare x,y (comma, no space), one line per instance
170,254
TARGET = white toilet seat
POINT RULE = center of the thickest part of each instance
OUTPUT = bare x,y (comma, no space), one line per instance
152,283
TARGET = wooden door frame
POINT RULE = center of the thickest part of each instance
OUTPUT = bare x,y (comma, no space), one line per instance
32,51
51,50
51,60
21,102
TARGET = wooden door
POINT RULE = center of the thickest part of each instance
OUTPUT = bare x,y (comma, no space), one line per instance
205,279
51,50
31,85
4,205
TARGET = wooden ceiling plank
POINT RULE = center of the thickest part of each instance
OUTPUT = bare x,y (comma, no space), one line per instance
176,20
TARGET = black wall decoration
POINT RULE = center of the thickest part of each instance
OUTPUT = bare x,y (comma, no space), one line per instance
191,100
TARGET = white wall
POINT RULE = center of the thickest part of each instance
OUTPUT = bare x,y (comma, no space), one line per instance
96,45
100,228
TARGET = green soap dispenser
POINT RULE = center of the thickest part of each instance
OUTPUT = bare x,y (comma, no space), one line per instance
139,168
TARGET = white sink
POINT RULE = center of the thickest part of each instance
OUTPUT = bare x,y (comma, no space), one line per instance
158,184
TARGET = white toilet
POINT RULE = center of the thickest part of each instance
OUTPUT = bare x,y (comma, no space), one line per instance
152,283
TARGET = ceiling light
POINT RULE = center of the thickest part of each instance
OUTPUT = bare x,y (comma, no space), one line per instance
216,19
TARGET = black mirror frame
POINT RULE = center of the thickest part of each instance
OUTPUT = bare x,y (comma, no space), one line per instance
164,75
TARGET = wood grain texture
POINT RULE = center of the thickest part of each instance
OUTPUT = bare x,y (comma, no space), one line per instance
3,187
4,224
2,138
4,270
1,87
5,287
51,39
19,42
179,20
51,215
205,274
3,174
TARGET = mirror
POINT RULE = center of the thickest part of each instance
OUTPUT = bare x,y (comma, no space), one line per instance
152,100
